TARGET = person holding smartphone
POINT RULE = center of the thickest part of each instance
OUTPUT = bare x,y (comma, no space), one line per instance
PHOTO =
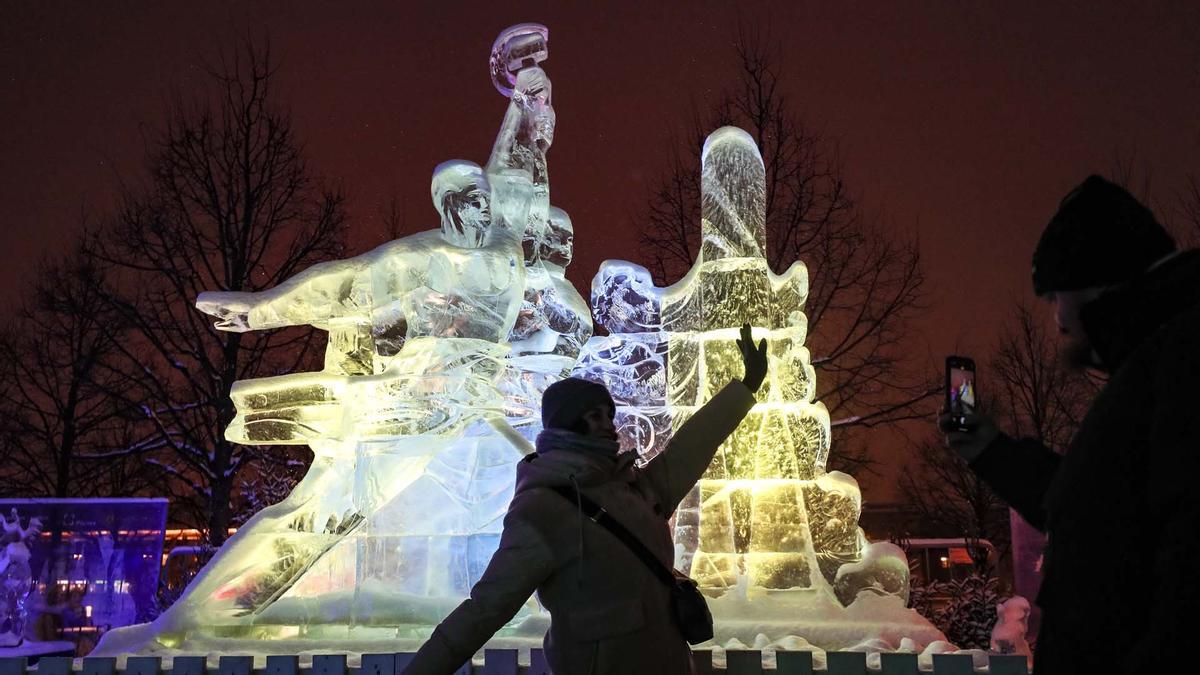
1121,508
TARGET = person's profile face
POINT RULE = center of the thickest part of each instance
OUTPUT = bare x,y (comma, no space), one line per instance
599,421
1067,305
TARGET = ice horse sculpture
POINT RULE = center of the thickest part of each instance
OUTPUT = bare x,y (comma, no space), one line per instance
769,534
439,346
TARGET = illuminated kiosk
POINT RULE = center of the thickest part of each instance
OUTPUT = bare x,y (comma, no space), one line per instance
89,565
772,538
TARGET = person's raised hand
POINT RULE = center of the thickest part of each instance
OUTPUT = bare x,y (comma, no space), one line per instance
754,359
969,439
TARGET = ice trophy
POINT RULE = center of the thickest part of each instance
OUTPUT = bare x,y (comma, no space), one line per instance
770,536
439,347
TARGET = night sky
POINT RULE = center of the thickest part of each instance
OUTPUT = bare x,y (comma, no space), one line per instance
962,123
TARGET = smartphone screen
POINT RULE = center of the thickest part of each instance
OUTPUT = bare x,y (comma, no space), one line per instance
960,386
962,396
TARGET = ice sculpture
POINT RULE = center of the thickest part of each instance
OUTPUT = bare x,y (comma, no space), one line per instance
439,346
16,577
767,532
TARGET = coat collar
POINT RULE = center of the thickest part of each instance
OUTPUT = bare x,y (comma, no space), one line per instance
1121,319
587,468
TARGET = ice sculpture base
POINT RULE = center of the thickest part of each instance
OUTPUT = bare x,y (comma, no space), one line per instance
758,619
143,640
780,617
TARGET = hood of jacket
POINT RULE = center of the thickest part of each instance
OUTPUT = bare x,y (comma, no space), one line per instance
1122,318
552,469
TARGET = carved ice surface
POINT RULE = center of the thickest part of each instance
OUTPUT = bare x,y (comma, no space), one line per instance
883,570
439,347
768,533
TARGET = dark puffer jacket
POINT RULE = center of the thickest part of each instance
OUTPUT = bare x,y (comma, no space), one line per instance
1122,507
609,614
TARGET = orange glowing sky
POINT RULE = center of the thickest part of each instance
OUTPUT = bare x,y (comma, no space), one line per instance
963,123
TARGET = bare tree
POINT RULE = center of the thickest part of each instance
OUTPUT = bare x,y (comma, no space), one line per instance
1180,213
62,431
941,490
395,219
270,477
865,281
1188,200
1036,392
230,205
1134,174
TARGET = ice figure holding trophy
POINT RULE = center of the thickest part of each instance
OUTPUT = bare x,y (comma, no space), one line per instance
554,321
416,420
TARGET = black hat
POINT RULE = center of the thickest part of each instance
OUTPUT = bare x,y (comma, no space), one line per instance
1101,236
565,401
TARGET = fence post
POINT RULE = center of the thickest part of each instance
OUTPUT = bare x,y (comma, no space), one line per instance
537,662
1008,664
237,665
99,665
793,663
898,664
953,664
329,664
846,663
143,665
378,664
54,665
743,662
281,665
186,665
12,665
499,662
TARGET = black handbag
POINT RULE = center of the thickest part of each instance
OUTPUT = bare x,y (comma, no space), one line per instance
687,602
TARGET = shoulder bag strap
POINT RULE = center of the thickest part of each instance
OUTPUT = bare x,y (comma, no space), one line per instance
597,514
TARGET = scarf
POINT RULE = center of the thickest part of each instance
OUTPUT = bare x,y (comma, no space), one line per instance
553,439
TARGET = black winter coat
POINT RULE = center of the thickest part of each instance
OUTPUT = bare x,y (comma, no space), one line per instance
1121,508
609,614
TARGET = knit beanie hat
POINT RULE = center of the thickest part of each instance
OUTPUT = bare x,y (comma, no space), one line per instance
1101,236
565,401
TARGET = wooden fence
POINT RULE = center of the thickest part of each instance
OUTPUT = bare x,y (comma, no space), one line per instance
502,662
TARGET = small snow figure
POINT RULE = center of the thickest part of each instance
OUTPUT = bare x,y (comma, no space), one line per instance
1008,637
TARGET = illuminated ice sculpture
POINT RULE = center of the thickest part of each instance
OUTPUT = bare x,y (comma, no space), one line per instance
769,534
439,346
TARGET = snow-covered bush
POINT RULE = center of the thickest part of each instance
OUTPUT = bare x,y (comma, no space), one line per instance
964,609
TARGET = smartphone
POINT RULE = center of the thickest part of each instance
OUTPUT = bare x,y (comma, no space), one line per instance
961,390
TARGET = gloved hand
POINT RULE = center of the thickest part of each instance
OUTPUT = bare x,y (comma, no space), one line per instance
980,431
754,359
